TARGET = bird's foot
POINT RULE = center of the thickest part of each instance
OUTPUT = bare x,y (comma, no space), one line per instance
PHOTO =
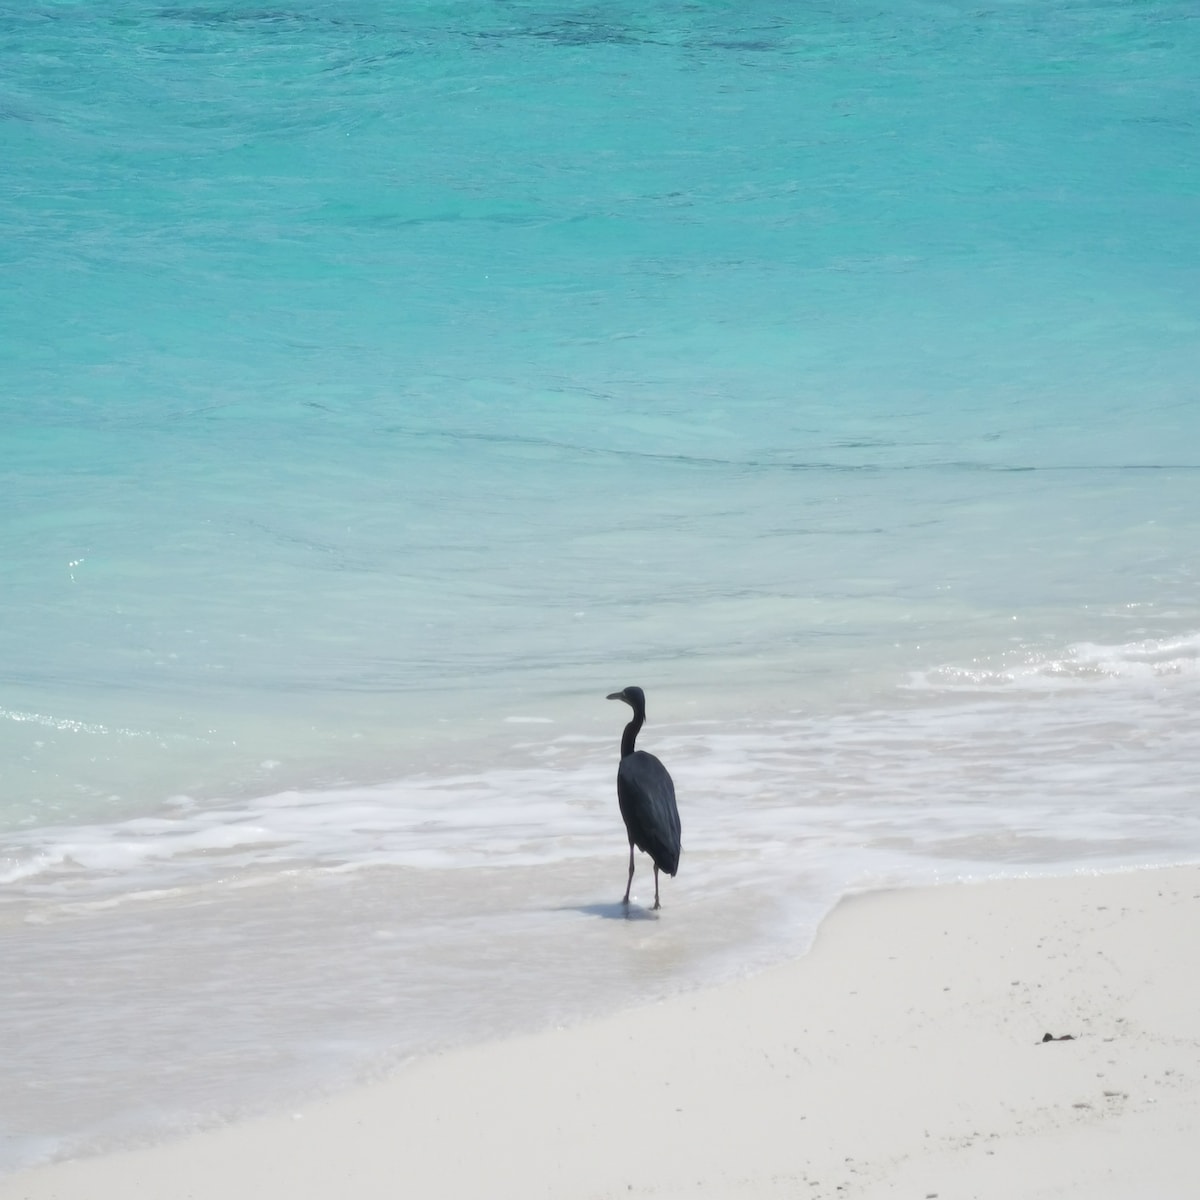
657,905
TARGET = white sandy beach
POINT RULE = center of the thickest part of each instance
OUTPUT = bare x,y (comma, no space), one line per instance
901,1058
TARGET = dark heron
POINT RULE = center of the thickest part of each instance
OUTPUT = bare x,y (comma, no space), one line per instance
647,798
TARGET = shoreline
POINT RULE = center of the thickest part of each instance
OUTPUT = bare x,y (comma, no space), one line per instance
901,1056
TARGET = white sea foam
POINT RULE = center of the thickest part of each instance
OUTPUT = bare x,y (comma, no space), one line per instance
1146,661
1093,747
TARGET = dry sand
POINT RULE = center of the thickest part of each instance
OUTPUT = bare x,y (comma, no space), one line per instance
901,1058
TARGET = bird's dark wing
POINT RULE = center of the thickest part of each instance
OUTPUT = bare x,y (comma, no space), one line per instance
647,798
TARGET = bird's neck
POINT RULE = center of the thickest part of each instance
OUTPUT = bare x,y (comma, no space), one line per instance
630,735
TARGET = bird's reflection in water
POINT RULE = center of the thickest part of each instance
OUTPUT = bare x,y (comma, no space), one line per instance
616,910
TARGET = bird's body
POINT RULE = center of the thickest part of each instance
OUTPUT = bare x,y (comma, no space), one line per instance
646,795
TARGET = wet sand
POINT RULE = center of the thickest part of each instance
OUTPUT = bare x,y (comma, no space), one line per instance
903,1057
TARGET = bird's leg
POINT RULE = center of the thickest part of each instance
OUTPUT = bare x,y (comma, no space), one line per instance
656,903
629,881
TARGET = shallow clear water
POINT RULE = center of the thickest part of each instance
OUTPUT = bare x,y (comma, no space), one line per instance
383,384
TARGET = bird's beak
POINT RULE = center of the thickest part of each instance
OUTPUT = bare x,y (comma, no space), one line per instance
617,696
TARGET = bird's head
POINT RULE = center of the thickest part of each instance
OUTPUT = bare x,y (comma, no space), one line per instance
633,696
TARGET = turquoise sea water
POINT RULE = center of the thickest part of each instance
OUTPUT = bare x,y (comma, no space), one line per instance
383,384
